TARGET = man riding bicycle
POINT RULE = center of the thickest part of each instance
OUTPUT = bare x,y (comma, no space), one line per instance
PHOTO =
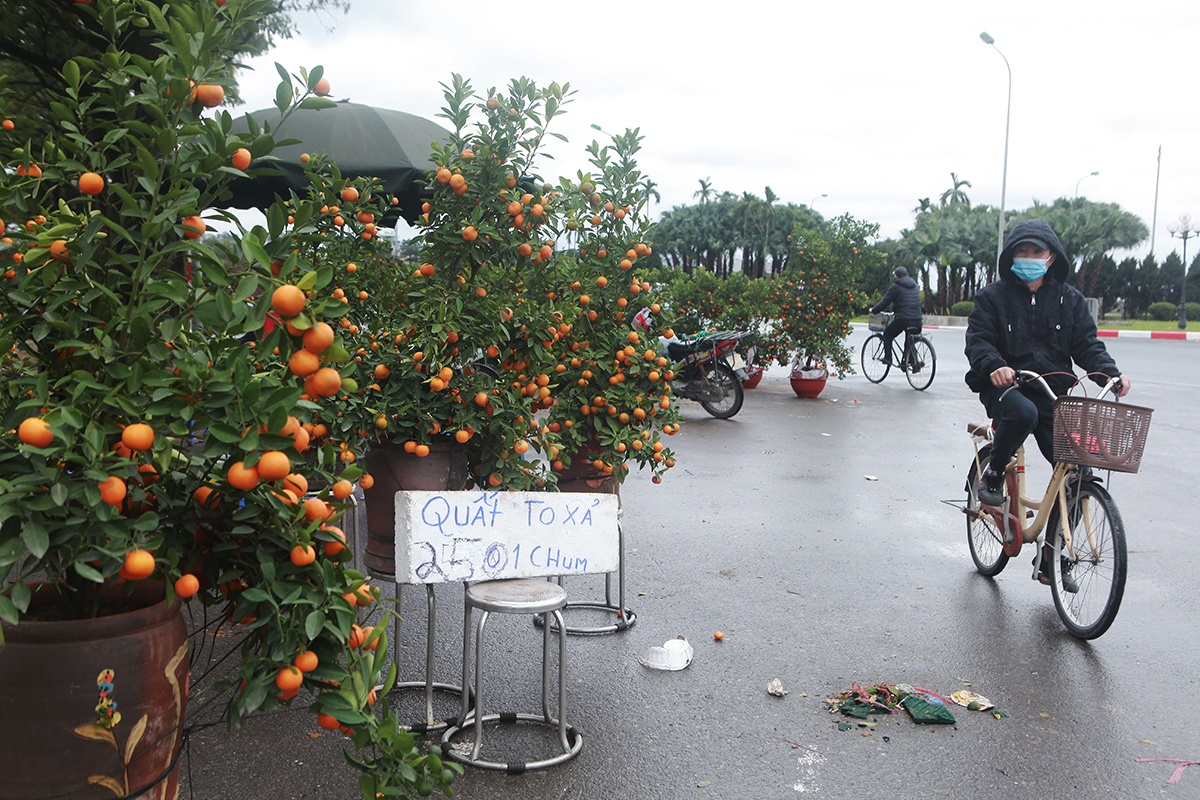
1029,319
905,299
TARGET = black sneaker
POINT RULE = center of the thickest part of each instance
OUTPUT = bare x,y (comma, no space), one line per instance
1044,578
991,488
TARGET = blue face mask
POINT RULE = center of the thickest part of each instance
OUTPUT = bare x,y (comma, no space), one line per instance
1029,269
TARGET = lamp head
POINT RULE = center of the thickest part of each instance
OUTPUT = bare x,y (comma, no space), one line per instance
597,127
986,38
1172,227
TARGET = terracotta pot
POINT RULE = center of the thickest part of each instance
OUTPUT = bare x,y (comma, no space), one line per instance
808,383
444,469
581,476
62,685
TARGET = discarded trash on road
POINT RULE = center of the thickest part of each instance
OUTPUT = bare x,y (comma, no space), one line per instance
972,700
675,654
775,688
923,706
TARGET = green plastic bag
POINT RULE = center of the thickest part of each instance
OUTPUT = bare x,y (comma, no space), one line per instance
925,712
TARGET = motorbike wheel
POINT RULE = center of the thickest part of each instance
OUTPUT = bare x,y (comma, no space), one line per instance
724,377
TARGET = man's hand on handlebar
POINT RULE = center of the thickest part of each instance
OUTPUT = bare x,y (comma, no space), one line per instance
1124,390
1004,376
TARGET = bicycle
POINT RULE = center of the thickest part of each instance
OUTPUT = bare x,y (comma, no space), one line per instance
918,359
1084,535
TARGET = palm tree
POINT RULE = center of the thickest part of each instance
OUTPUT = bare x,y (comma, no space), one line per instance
705,191
768,216
651,190
923,205
955,195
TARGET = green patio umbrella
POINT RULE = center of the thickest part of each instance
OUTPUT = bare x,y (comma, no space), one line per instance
361,140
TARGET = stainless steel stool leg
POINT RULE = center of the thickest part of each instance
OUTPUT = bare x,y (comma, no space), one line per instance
483,615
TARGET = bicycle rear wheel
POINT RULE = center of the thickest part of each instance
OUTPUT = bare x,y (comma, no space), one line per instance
875,361
920,363
984,537
1094,565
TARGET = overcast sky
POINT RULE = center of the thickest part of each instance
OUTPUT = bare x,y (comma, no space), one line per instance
871,103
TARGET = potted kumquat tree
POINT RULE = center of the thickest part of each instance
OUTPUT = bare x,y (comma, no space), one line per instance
152,447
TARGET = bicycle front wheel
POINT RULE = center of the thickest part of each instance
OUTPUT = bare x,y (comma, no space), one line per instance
875,361
984,537
920,363
1088,576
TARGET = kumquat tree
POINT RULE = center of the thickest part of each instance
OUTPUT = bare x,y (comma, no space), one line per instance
823,270
153,427
612,386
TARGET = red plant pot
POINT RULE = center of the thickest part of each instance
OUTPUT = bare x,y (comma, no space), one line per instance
808,383
754,376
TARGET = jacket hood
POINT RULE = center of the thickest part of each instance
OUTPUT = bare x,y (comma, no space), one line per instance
907,282
1034,229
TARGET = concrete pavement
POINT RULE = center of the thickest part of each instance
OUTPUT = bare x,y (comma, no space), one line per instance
812,534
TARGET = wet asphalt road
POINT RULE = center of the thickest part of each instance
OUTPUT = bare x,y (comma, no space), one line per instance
770,531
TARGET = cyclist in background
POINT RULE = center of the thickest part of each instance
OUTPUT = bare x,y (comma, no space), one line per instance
1029,319
905,299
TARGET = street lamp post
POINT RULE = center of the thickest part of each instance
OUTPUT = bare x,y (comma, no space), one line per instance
1084,178
1185,229
815,199
1007,118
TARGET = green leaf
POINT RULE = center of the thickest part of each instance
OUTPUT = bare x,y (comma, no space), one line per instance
70,72
313,624
88,572
146,522
8,612
255,252
20,596
245,288
36,538
317,103
283,95
58,493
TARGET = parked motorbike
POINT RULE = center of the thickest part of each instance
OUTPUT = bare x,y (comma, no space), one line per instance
703,372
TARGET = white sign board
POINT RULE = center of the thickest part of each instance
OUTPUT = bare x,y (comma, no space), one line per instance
444,537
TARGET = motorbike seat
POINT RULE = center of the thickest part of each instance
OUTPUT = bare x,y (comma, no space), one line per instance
678,352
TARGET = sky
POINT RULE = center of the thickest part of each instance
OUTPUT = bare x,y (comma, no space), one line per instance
859,106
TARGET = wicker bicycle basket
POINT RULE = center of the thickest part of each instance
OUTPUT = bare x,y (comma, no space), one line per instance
1100,433
879,322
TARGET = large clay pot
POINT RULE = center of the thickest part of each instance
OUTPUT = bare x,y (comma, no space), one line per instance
444,469
93,709
808,383
582,476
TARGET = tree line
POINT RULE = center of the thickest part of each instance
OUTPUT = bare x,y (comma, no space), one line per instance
950,248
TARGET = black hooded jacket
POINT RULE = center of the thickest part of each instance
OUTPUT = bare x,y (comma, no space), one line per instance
1042,332
905,299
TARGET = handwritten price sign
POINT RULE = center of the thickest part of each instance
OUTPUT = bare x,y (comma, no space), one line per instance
444,537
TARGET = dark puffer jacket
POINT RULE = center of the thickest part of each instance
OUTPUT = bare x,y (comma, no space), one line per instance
1042,332
905,299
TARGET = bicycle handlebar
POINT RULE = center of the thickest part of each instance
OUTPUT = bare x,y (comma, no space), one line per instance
1025,377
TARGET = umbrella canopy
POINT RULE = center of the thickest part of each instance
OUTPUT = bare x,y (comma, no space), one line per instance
392,146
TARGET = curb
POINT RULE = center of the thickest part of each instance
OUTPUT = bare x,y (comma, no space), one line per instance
1190,336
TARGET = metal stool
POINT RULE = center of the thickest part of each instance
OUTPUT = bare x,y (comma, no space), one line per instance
516,596
359,532
625,617
430,724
